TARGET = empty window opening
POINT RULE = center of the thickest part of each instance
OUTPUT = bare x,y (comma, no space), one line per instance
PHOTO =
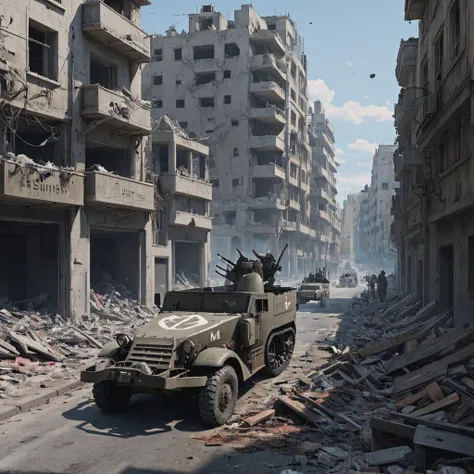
235,123
160,158
191,205
118,6
179,82
206,102
183,164
206,24
203,52
157,104
470,278
42,51
114,256
180,103
30,267
158,55
385,186
157,80
102,73
227,99
261,306
455,20
205,78
215,183
112,159
272,27
178,54
231,50
230,217
235,152
161,280
439,56
187,256
235,182
184,125
227,74
199,166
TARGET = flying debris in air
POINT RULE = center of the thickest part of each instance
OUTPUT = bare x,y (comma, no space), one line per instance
372,76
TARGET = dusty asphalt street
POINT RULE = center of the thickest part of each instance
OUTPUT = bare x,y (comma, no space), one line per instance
71,435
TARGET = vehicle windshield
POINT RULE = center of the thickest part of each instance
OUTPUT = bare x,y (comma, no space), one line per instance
206,302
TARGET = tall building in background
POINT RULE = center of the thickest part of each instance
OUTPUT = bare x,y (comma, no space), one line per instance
381,250
323,191
361,246
350,212
240,85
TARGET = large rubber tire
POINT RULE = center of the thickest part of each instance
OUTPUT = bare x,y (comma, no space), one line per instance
275,363
110,397
218,398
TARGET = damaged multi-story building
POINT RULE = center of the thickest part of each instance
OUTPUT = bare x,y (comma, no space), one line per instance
182,222
433,207
240,85
75,206
382,251
323,191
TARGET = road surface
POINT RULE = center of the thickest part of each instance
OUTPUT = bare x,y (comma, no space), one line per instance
71,435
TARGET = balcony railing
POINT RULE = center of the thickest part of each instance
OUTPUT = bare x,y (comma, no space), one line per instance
267,142
271,40
110,190
406,61
268,91
99,103
268,171
116,32
174,183
408,102
188,219
29,184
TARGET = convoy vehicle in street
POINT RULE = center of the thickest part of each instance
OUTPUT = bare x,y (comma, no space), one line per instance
314,288
210,339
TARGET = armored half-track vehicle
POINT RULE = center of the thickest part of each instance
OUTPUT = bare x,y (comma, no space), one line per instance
314,288
211,339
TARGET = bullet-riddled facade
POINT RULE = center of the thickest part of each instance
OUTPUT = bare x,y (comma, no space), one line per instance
74,201
240,85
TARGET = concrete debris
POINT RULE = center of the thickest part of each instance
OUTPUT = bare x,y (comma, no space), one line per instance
45,169
184,283
389,388
166,123
99,168
37,345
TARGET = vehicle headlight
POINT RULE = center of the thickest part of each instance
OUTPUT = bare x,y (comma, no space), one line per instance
188,347
123,340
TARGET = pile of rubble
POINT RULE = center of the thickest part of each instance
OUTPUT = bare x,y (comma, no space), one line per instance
38,346
397,396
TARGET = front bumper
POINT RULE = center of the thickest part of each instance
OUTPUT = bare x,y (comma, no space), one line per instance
131,377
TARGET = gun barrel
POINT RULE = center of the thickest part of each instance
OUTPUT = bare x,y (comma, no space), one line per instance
230,262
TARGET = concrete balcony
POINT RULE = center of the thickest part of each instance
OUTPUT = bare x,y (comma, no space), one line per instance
406,62
269,39
321,194
320,172
323,238
171,184
268,171
262,227
415,9
409,157
268,90
24,185
269,64
414,217
109,190
271,114
267,142
188,219
114,31
304,187
99,103
304,229
293,181
405,110
270,202
294,205
290,226
322,215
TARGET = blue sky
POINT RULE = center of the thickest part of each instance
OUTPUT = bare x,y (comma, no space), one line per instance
347,41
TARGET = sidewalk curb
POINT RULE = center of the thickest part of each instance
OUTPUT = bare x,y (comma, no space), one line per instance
13,407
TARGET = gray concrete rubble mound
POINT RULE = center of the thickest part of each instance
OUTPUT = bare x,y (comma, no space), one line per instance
39,346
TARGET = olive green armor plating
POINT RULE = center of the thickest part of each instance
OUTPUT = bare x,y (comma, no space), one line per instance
211,339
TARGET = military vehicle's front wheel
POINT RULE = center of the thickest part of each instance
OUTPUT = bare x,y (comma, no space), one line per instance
110,397
218,398
279,350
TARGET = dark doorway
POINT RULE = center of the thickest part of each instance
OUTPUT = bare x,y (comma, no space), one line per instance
161,279
187,262
446,277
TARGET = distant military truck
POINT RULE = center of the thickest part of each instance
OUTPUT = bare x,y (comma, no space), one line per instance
314,288
212,339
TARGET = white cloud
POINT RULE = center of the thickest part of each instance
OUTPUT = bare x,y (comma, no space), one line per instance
340,161
340,151
366,97
363,145
348,64
350,111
